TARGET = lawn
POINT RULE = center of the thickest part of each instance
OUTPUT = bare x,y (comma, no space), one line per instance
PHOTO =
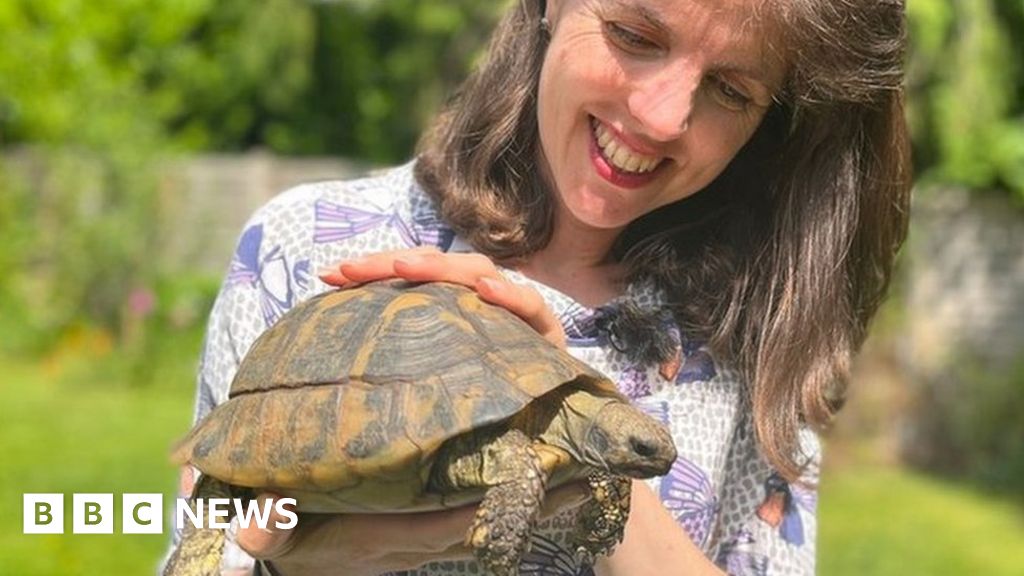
885,521
68,425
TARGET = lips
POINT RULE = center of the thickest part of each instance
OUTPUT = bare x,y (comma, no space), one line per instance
618,162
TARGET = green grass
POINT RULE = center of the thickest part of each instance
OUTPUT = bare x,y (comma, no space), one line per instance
887,521
84,429
79,424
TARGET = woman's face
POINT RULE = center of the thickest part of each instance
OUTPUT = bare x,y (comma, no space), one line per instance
644,102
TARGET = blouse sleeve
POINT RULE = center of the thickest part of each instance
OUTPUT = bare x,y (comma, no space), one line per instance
769,526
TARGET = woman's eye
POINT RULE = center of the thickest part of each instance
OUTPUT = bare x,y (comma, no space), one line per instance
729,95
628,39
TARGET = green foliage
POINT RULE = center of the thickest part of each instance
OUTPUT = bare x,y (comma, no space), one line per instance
350,78
382,70
81,223
213,74
79,204
69,72
966,83
96,93
100,91
232,76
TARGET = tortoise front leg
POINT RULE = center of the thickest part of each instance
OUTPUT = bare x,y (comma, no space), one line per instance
500,533
602,520
200,550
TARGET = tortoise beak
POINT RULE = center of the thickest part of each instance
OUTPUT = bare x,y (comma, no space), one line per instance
652,456
627,442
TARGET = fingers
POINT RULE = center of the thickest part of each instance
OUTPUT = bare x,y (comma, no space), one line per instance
186,481
270,542
372,544
421,266
367,269
525,302
368,544
476,271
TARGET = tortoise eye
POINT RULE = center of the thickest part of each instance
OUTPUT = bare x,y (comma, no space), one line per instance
642,448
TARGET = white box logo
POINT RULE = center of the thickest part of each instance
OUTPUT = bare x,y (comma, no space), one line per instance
43,513
142,513
93,514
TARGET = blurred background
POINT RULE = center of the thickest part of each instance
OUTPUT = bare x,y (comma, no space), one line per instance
136,136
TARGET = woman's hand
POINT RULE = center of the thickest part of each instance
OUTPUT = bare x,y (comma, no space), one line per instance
358,544
476,271
371,544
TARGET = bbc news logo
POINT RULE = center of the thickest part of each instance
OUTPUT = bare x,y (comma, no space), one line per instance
93,513
144,513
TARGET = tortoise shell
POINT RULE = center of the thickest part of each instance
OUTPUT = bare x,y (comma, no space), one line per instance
345,401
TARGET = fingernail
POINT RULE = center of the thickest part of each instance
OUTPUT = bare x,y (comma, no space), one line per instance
491,283
326,270
411,260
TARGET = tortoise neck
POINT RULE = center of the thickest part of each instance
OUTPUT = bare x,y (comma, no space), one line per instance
566,423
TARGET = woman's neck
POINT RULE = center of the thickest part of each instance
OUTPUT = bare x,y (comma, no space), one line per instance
578,262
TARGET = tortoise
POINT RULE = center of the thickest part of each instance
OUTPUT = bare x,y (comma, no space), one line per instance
402,397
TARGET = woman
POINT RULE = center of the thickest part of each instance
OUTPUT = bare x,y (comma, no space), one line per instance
701,198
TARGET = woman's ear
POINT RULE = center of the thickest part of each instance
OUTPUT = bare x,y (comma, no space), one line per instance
548,9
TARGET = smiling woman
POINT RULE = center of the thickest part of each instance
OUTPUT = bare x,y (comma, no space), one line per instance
700,198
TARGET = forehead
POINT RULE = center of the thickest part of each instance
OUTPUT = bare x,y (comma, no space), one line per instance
742,33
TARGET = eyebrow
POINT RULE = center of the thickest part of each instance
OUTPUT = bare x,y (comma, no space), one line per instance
652,17
751,73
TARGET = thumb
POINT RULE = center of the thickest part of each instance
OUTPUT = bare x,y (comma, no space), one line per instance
271,541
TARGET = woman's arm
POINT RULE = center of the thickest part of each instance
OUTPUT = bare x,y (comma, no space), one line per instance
655,544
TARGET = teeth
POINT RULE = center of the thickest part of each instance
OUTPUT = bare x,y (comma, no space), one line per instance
619,155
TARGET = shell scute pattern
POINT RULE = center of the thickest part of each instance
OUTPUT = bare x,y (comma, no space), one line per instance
340,408
310,345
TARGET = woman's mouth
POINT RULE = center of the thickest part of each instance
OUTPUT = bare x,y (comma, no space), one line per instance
617,162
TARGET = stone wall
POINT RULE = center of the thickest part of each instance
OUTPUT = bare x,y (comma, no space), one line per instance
964,282
206,200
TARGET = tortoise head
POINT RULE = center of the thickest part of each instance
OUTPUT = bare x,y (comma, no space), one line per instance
613,435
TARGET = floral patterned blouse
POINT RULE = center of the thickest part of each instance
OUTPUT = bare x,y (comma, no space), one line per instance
743,515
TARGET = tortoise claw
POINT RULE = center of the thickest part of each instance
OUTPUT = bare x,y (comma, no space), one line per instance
602,520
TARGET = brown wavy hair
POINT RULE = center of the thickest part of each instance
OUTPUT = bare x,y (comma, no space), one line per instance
781,262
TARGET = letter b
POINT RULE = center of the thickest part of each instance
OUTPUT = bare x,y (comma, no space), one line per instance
93,514
43,513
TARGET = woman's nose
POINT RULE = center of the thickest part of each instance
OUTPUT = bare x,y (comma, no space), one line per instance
662,102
